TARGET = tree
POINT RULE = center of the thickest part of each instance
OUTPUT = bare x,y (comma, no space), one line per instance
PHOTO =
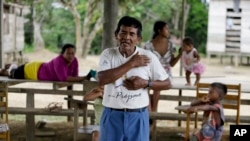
86,31
41,11
159,10
109,22
196,26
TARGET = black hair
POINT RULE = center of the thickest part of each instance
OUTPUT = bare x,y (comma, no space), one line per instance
158,25
221,87
129,21
188,41
65,46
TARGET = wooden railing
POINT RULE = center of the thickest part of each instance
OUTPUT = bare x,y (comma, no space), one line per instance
58,88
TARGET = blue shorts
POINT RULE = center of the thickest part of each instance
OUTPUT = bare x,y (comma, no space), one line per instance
124,126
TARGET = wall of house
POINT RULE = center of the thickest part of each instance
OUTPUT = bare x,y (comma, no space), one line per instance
13,33
245,27
221,39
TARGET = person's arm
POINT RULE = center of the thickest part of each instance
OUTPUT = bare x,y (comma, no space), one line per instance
93,94
75,79
110,75
158,79
135,82
204,107
75,68
174,59
196,56
203,100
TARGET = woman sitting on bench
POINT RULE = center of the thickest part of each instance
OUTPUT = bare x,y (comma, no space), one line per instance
64,67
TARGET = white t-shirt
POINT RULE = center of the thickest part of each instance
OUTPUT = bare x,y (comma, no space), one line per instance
115,94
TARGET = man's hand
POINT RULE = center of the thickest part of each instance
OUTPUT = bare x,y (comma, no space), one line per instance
134,83
139,60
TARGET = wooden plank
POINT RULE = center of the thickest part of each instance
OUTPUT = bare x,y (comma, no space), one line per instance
236,51
42,111
2,104
30,118
233,14
45,133
233,33
190,98
230,106
47,91
232,38
233,44
231,97
177,116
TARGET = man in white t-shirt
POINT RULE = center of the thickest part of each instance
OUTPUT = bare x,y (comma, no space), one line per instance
126,72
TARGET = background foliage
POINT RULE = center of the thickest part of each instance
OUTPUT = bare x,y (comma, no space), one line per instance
58,26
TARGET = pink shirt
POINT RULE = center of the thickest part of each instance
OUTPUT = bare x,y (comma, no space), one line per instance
57,69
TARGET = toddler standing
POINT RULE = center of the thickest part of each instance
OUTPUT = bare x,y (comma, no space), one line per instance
191,61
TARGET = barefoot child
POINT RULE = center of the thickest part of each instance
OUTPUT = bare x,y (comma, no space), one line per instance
191,61
213,116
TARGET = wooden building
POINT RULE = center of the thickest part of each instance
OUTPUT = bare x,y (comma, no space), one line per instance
229,29
13,32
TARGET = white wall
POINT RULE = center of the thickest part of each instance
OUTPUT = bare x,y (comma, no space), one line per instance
217,25
245,26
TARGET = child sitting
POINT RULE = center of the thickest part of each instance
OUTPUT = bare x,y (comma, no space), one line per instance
96,95
213,116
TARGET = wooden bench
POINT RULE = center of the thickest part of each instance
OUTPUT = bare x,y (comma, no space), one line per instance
80,105
30,111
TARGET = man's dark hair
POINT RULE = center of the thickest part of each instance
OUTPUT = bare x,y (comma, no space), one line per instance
221,87
130,22
65,46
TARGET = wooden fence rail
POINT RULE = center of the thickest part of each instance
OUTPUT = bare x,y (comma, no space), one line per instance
57,88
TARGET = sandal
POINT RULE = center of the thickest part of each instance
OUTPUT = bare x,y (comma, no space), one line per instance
54,107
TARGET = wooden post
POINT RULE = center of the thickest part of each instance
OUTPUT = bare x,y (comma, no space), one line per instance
69,103
30,118
182,36
109,22
1,34
76,115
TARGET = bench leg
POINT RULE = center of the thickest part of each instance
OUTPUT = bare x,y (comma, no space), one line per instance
154,136
187,127
30,118
69,118
76,115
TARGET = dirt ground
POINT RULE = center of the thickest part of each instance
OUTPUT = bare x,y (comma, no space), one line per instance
57,129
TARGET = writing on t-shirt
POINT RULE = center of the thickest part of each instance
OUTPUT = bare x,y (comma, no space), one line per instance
126,96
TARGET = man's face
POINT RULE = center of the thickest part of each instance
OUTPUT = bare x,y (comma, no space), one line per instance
127,37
